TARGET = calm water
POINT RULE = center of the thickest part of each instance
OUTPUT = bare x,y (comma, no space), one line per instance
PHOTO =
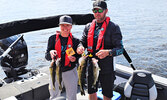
143,24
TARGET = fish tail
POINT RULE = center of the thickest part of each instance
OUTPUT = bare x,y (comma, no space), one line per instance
52,88
82,90
60,88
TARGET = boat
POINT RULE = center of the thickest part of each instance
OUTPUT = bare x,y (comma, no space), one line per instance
32,84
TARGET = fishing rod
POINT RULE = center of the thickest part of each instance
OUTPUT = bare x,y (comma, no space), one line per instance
128,59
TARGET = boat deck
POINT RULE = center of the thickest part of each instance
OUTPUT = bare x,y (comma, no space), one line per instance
36,88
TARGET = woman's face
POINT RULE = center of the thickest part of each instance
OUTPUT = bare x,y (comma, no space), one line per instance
65,28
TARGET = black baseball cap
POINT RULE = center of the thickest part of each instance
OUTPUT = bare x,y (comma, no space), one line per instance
65,20
100,4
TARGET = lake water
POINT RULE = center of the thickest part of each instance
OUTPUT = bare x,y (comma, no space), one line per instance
143,24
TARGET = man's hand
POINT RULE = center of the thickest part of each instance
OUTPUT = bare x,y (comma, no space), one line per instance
80,50
102,54
53,53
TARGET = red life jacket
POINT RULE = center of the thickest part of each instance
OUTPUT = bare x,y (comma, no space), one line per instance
100,42
58,47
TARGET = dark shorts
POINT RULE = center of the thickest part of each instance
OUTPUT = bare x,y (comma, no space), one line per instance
106,82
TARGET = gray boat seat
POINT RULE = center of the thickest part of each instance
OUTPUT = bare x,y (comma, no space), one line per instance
140,86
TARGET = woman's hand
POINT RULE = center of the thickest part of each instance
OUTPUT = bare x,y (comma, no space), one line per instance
72,58
53,53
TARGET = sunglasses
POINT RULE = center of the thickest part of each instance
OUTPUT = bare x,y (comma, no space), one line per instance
97,10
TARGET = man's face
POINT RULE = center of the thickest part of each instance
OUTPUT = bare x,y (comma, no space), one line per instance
65,28
99,14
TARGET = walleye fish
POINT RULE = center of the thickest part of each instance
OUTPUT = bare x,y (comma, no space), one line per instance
96,70
81,73
52,69
59,73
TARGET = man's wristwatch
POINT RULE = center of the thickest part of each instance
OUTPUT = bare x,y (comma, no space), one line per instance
110,52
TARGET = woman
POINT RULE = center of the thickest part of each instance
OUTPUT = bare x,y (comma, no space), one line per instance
63,45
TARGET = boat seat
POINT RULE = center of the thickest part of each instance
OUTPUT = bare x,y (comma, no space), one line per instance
140,86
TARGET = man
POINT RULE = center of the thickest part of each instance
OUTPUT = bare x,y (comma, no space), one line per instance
63,45
103,39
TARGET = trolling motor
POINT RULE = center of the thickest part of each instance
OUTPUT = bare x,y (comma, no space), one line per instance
14,57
